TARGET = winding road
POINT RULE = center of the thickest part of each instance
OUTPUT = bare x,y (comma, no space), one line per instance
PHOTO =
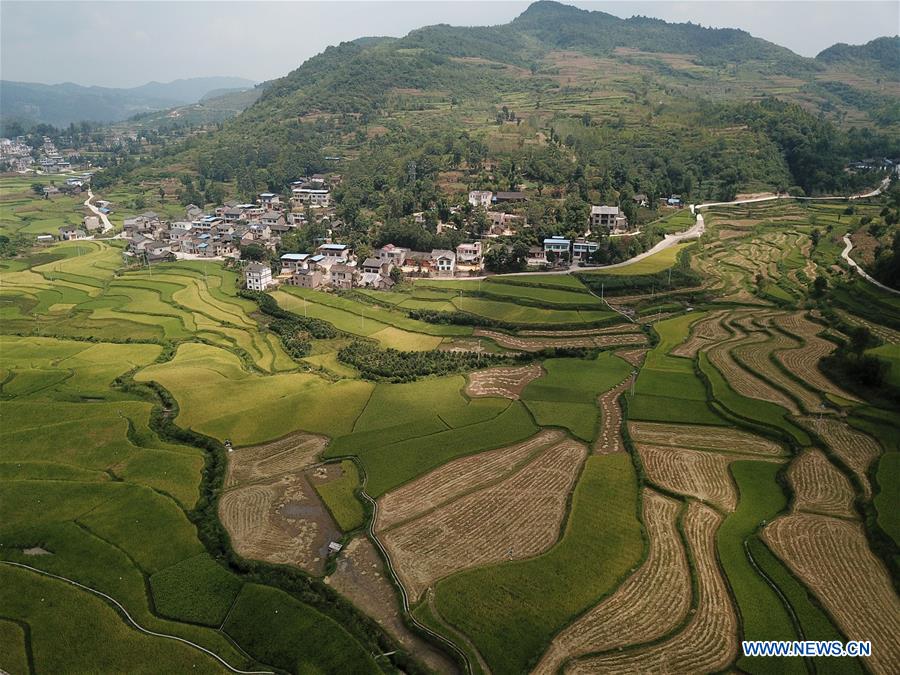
845,254
107,226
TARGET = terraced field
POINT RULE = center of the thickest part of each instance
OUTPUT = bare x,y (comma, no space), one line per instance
630,493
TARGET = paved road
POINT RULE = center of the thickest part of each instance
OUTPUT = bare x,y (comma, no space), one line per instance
845,254
107,226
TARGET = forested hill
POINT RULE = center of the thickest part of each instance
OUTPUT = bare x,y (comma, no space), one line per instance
883,52
557,97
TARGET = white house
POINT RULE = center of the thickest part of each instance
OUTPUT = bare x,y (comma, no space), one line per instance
258,277
395,255
315,197
443,262
582,248
481,198
334,252
292,262
557,244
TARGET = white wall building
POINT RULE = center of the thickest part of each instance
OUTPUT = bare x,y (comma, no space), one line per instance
258,277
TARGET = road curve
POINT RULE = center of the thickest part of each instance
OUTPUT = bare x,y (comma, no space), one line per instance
134,623
107,226
845,254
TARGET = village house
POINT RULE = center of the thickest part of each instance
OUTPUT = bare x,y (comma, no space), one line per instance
558,245
381,282
395,255
481,198
376,266
503,224
193,211
258,277
443,262
582,248
92,223
293,262
343,275
608,218
334,252
469,253
70,233
641,199
308,194
516,196
269,199
537,257
306,278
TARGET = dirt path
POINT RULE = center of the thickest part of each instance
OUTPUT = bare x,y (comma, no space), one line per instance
107,226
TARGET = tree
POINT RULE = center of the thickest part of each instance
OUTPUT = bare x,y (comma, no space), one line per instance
253,252
815,235
37,188
820,285
860,339
396,275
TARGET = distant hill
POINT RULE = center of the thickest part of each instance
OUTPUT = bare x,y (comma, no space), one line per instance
60,104
883,52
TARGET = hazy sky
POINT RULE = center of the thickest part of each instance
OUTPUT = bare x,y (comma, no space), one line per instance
122,43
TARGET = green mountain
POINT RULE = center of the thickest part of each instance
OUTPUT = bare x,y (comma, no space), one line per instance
583,103
61,104
883,52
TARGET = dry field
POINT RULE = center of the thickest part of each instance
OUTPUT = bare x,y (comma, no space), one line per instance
503,381
695,473
884,333
649,604
708,643
609,438
269,508
291,453
281,521
743,381
456,478
535,344
708,331
856,449
819,487
516,518
802,360
633,356
756,359
360,577
617,329
723,439
833,559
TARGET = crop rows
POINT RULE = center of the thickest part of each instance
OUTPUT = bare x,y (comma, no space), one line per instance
819,487
456,478
708,643
503,381
649,604
725,439
517,518
633,356
609,438
617,329
534,344
707,331
695,473
831,556
854,447
884,333
292,453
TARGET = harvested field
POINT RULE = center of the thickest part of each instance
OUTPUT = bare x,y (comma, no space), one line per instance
884,333
617,329
649,604
742,380
755,358
269,507
280,521
360,577
292,453
457,478
517,518
858,450
708,642
819,487
503,381
534,344
633,356
832,557
609,438
698,474
723,439
706,332
802,361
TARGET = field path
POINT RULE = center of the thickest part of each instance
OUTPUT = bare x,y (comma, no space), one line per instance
134,623
107,226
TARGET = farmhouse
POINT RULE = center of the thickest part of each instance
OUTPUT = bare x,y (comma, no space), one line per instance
315,197
557,244
258,277
269,199
70,233
306,278
375,266
469,253
91,223
481,198
334,252
343,275
607,217
393,254
293,262
582,248
536,256
443,262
